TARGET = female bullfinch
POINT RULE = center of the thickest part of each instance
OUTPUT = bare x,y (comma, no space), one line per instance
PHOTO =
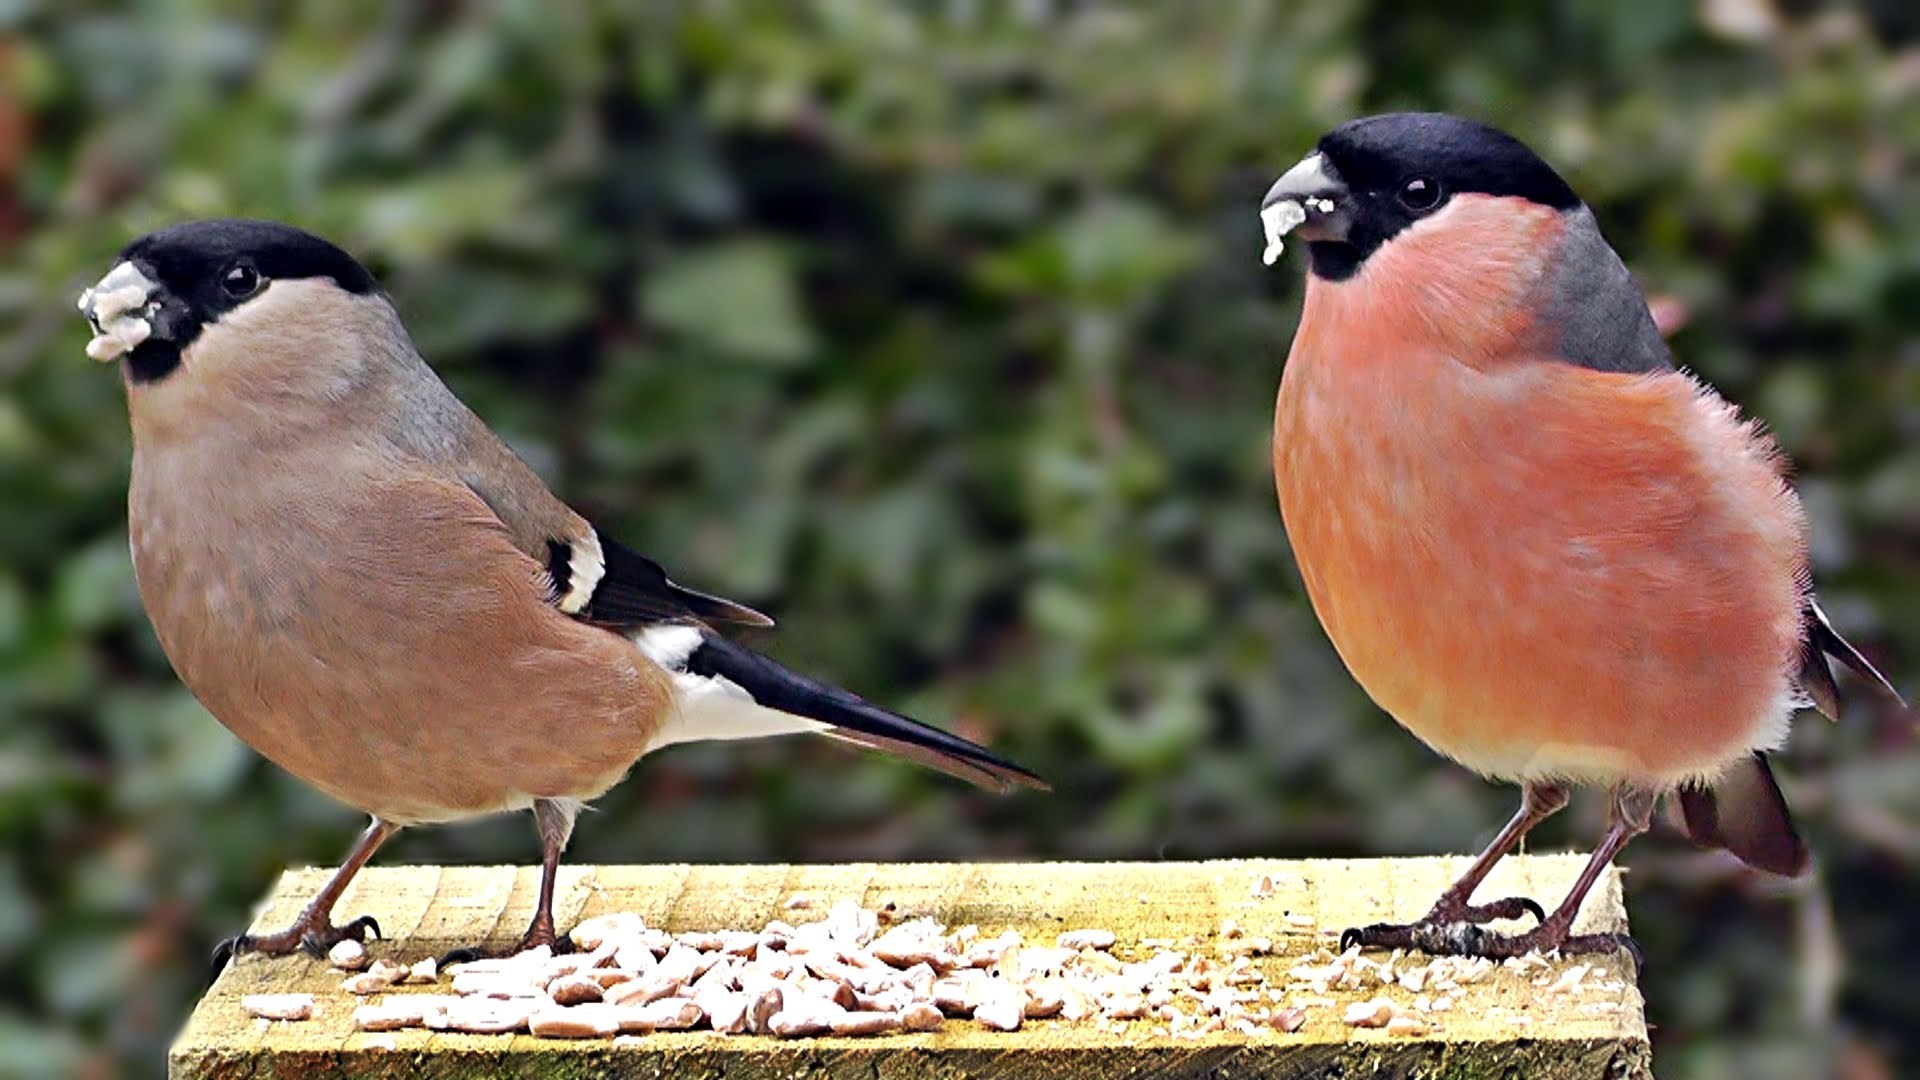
365,584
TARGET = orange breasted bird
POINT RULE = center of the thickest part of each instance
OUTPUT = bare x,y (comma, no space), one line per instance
1543,548
360,580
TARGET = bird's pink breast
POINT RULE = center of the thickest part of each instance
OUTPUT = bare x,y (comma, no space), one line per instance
1538,568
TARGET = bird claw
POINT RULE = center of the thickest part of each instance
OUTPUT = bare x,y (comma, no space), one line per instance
223,952
464,955
304,934
363,928
1469,939
1442,921
1511,907
1425,935
1611,943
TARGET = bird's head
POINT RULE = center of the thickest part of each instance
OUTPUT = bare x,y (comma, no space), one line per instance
231,311
1443,232
1370,181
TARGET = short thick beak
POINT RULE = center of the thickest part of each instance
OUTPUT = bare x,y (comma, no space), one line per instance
1316,187
121,308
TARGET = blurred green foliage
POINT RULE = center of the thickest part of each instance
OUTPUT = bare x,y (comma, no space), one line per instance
938,330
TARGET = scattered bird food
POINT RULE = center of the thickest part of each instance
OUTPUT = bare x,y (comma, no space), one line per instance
278,1006
865,972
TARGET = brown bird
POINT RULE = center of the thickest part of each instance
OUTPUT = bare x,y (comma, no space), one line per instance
355,576
1544,549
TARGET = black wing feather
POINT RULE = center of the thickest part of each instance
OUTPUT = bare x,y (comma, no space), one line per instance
1816,675
635,591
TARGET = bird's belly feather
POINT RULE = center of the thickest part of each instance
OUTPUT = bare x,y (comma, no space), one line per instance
1543,571
365,659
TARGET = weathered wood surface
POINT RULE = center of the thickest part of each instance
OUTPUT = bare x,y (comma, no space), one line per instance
1500,1027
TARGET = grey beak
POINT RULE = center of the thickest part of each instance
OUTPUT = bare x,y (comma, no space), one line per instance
1316,185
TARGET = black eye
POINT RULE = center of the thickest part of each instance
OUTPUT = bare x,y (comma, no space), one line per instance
240,281
1420,194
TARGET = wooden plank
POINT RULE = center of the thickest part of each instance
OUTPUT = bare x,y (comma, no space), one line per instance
1501,1026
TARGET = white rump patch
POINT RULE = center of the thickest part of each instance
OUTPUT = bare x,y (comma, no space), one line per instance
586,565
119,309
710,707
669,646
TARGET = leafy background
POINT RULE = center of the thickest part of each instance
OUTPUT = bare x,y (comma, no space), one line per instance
939,330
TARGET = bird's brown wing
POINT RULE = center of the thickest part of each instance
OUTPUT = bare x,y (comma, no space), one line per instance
725,690
594,577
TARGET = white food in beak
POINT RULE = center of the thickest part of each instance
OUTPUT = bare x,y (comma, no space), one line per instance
119,307
1279,219
120,337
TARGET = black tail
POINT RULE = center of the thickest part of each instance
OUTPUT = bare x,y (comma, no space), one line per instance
855,719
1745,813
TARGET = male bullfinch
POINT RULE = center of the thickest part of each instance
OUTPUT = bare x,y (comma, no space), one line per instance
366,585
1545,550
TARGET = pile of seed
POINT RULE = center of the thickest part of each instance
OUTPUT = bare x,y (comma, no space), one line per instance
1434,982
843,975
857,972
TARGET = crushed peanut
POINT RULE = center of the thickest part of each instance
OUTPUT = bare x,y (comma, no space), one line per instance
278,1006
858,972
348,955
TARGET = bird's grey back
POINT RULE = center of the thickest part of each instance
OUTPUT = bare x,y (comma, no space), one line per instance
416,412
1600,310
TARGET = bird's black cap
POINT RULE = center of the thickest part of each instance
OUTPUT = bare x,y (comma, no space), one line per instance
1383,173
201,250
207,268
1379,153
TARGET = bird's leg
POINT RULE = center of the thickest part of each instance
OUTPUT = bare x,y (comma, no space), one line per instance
554,819
555,822
1538,802
1630,815
314,930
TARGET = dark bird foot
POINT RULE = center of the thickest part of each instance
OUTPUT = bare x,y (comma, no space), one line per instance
314,935
1468,939
535,937
1511,907
1441,918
